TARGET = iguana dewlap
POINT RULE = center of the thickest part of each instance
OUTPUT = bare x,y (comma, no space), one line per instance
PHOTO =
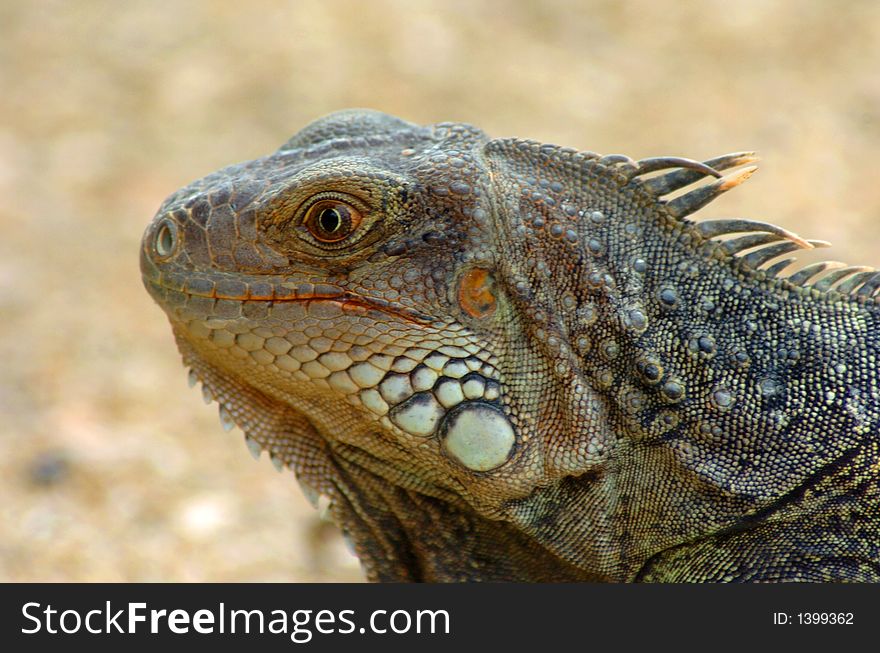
502,360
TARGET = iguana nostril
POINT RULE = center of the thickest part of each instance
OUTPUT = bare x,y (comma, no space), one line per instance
166,239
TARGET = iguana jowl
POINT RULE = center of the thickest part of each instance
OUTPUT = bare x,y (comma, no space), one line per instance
502,360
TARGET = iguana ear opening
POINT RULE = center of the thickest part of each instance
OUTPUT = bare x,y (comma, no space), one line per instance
476,294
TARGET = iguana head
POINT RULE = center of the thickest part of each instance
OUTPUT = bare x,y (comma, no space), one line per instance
346,285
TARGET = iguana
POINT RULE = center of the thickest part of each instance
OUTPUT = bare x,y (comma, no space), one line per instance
506,360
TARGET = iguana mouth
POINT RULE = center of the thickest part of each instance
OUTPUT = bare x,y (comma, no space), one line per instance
283,292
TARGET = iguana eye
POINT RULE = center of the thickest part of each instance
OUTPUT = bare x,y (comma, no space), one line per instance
331,221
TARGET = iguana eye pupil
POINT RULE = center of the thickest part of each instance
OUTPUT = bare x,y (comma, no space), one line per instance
331,221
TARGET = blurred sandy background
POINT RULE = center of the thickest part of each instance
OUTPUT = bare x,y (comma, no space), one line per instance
110,467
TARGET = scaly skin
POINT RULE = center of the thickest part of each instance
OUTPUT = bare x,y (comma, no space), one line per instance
501,360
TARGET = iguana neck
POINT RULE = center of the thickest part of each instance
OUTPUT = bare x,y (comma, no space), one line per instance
706,379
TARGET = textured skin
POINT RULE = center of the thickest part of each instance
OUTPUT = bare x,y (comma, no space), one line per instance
630,399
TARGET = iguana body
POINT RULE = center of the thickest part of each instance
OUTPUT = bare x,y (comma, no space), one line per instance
501,360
